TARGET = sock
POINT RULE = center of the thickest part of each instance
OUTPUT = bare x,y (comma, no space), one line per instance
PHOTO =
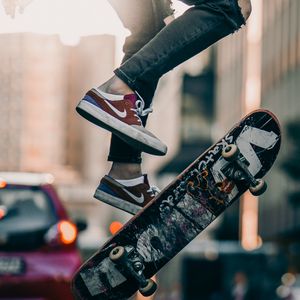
111,97
131,182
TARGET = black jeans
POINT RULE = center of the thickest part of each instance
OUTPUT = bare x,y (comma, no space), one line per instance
153,49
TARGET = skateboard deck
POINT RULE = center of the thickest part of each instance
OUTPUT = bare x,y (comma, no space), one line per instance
181,211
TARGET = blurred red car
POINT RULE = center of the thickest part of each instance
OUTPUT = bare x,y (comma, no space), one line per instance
38,253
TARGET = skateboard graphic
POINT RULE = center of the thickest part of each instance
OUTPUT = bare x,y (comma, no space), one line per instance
181,211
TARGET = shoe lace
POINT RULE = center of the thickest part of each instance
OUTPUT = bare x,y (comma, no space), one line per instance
153,190
140,107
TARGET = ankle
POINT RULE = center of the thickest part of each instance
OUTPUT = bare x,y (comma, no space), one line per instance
246,8
116,86
125,170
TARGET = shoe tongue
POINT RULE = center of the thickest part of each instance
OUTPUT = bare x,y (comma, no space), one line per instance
131,97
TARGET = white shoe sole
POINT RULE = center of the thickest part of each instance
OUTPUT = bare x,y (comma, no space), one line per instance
116,202
129,134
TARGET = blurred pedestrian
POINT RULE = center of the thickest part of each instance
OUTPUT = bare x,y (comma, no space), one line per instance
157,44
241,289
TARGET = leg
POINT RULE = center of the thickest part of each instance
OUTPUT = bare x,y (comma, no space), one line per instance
144,19
199,27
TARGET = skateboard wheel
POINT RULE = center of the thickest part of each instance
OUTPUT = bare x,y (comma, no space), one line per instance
149,289
117,253
231,152
259,189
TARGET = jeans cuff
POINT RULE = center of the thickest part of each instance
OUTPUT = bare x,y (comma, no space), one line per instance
125,78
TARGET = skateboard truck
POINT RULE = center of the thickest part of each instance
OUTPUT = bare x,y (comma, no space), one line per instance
239,171
131,265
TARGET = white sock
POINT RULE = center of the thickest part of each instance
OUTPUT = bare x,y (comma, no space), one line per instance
111,97
131,182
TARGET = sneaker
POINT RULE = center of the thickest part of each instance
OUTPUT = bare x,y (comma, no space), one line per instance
128,198
121,117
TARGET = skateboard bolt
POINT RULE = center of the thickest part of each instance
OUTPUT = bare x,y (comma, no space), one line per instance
138,266
227,149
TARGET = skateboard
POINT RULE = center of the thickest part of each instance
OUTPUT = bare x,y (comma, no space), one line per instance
193,200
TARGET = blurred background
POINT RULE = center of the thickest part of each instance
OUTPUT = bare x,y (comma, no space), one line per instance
53,51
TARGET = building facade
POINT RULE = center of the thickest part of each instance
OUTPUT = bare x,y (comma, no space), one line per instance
41,81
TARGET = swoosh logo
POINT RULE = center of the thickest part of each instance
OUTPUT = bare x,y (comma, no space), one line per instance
121,114
139,199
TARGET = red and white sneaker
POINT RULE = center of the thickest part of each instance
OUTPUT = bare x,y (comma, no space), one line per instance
128,198
121,117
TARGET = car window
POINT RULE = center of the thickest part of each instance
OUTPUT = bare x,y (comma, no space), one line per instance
25,210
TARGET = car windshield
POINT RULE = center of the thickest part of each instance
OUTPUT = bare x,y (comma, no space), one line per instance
26,214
